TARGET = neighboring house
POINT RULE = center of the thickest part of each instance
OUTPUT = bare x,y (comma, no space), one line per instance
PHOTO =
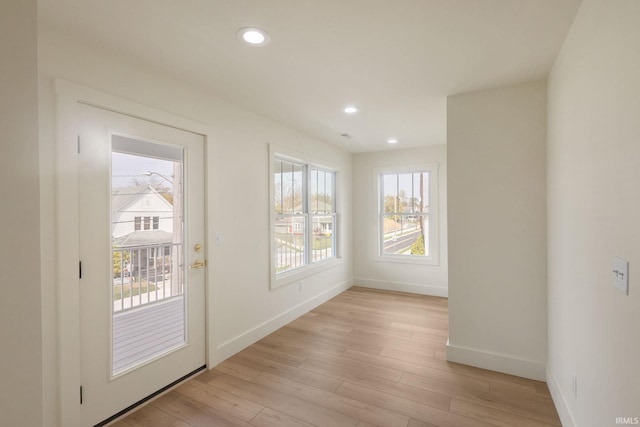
322,222
139,208
141,221
295,225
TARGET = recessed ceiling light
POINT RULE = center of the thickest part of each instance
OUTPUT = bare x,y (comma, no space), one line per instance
392,140
253,36
350,109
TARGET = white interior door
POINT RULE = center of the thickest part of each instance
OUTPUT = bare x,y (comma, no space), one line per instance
142,286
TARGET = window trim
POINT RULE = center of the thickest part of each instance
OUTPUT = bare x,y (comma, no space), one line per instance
278,280
434,206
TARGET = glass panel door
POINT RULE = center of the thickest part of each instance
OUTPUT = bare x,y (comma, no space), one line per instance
147,293
141,222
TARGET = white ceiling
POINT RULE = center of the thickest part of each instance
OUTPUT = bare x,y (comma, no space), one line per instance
396,60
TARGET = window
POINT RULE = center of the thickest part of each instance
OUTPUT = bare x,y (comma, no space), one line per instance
138,223
407,214
303,215
322,213
290,215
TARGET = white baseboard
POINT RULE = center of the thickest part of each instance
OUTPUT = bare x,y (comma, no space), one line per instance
234,345
497,362
558,399
436,291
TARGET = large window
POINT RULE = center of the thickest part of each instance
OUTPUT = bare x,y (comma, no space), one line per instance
304,215
407,214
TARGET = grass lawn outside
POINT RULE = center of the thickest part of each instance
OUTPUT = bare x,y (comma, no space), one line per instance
126,290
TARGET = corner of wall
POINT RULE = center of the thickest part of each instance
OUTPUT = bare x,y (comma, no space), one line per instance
413,288
496,362
558,399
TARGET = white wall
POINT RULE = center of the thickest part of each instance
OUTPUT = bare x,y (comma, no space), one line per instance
593,212
20,320
497,229
422,279
244,308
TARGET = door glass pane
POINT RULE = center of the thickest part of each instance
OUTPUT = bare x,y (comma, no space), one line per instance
147,284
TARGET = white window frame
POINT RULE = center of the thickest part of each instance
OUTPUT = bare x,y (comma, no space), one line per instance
309,268
434,247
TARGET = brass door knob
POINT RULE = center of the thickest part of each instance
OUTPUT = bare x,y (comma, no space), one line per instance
197,264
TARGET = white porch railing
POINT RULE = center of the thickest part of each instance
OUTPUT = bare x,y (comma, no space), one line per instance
146,274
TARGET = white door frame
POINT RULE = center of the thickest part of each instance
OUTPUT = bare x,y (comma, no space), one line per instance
67,97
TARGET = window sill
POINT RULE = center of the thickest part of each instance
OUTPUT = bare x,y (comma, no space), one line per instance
285,279
408,259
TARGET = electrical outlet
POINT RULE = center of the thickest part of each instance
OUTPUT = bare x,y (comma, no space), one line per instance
574,386
300,285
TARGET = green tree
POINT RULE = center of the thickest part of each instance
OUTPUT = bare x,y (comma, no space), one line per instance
320,202
392,205
403,200
418,246
289,203
119,262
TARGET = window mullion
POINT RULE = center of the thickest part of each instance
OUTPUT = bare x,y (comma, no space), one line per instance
395,208
305,211
413,193
381,208
334,209
281,187
324,198
293,188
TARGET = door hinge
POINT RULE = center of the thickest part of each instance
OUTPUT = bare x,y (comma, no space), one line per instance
80,269
81,399
78,144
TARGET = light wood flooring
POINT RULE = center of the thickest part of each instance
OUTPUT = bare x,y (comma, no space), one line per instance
364,358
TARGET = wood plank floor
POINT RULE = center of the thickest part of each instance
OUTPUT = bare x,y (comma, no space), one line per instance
364,358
